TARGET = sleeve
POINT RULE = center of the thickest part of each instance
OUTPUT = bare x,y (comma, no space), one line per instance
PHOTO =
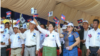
22,36
42,30
76,35
58,40
38,41
87,40
11,31
22,41
6,41
10,38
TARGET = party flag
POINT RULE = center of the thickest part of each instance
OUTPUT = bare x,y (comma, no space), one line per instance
50,13
62,17
18,20
32,10
35,11
8,14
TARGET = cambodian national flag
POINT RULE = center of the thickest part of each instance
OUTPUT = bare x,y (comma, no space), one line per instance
8,14
55,19
62,17
35,15
57,23
18,20
29,20
79,21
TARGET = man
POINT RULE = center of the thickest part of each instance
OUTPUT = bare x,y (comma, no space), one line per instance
17,44
32,40
4,40
42,36
93,40
83,35
9,31
7,26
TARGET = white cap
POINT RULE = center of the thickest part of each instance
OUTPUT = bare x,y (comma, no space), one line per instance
67,21
17,26
32,22
70,24
64,27
2,27
85,21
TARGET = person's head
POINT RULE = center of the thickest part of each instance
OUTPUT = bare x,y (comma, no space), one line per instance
21,29
85,24
64,28
15,28
43,26
51,27
7,25
31,25
95,23
66,22
70,27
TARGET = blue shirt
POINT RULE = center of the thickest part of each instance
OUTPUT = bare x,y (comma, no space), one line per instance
71,38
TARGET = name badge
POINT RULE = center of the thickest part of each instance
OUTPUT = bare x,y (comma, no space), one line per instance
18,38
34,34
70,35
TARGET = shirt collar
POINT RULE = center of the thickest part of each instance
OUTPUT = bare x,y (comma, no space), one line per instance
86,30
96,30
52,32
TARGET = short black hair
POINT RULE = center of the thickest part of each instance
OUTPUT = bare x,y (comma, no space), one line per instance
7,23
43,25
53,25
96,20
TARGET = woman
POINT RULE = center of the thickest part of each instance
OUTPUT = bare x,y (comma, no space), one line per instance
51,38
71,41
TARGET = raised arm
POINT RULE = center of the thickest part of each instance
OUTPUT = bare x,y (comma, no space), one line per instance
39,28
22,36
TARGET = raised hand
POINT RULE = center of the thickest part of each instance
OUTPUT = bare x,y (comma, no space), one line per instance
36,22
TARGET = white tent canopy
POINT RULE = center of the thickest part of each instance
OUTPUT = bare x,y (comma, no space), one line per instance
72,9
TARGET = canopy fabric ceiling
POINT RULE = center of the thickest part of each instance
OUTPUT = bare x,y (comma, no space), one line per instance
72,9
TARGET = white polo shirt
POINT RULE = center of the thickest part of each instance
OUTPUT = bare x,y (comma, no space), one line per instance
31,38
51,38
94,40
4,38
16,41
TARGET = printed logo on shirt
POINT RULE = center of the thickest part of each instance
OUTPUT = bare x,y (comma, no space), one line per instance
3,36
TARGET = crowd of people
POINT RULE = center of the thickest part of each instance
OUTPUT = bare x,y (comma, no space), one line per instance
42,40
